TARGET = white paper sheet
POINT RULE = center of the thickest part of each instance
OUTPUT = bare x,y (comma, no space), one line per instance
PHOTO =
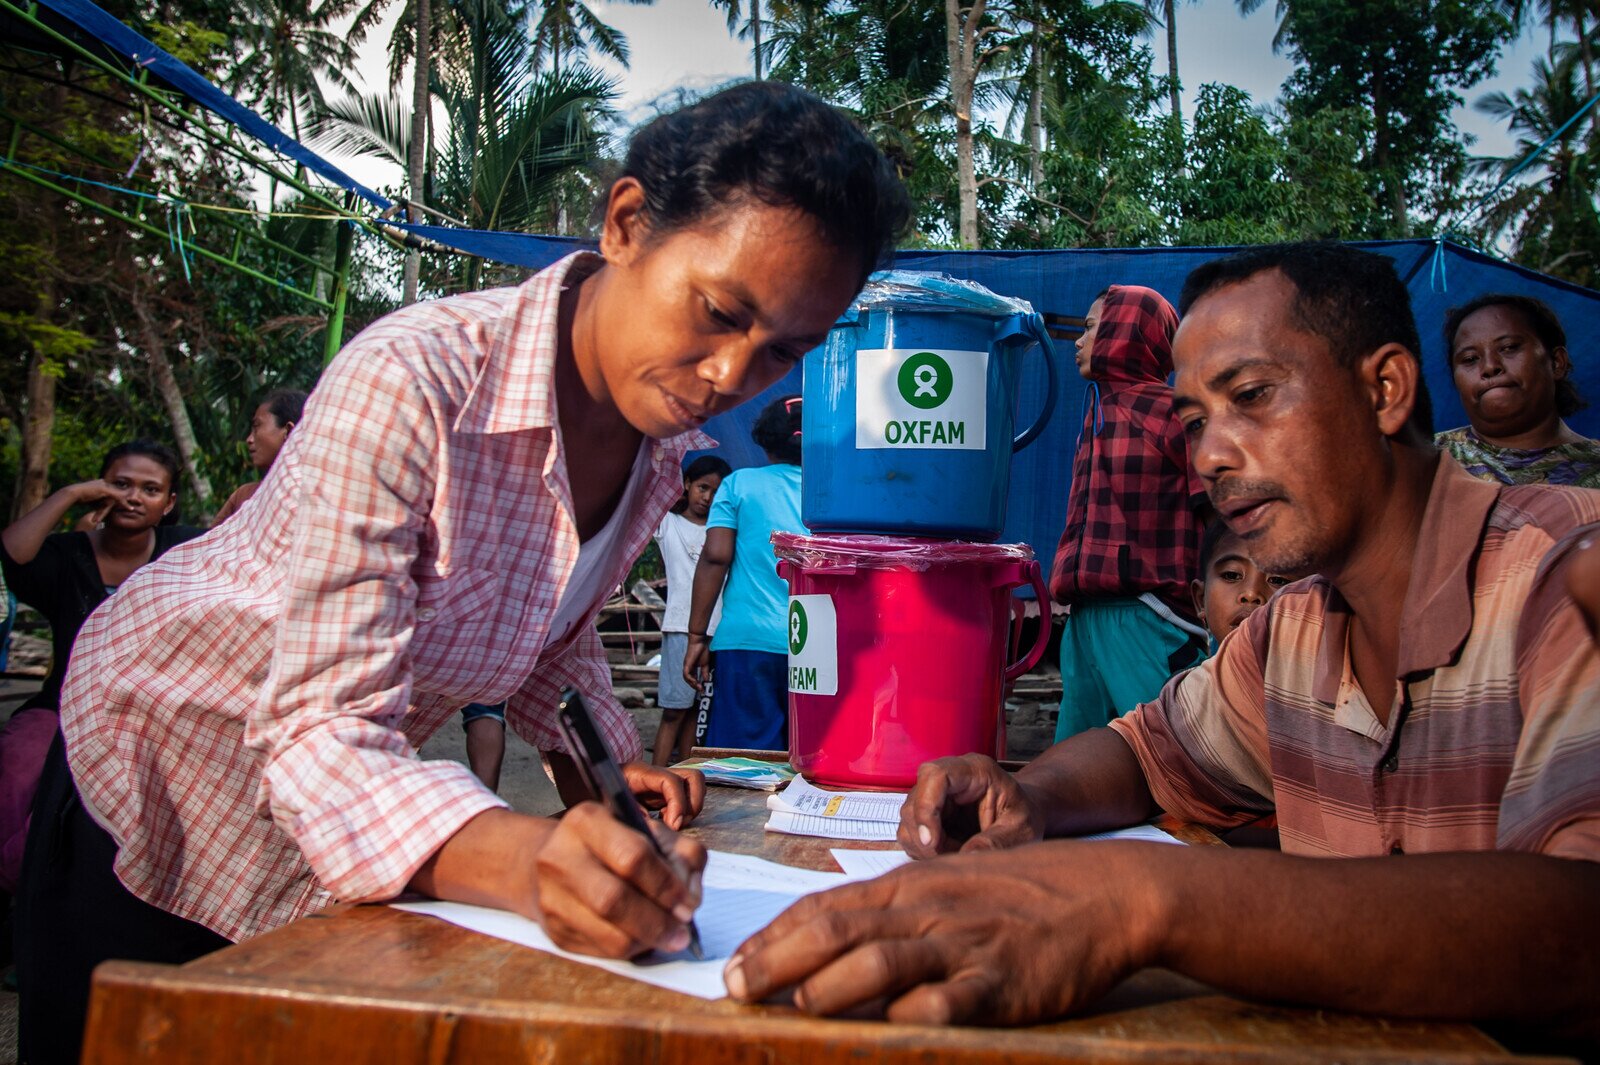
864,865
795,824
801,796
742,896
1148,833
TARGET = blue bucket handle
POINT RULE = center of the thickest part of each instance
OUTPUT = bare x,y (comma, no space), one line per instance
1031,327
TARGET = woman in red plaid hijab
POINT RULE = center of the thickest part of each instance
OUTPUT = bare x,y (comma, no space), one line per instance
1133,526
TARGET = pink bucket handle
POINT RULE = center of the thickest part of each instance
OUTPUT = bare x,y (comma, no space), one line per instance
1032,574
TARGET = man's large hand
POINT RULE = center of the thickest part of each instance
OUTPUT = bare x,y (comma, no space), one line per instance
993,939
967,803
677,793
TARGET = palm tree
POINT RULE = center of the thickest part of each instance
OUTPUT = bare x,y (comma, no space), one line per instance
567,26
1554,217
1283,10
752,25
1584,15
509,138
1055,61
417,16
1169,15
288,45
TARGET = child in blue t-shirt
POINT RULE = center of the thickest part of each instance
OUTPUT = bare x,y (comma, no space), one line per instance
750,703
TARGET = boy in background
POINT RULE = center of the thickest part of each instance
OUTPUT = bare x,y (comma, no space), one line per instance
1229,589
1230,586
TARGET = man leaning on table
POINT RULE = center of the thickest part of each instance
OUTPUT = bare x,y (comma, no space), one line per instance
1425,711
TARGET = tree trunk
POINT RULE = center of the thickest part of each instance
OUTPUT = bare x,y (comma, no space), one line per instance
1172,65
1036,112
39,413
1586,57
417,149
1394,185
171,394
961,41
755,32
39,420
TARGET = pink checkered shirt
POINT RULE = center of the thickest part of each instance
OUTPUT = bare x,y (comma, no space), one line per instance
243,715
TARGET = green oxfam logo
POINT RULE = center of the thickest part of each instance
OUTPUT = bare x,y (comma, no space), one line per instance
797,628
925,380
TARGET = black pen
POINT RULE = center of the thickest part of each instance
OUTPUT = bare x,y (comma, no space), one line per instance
604,778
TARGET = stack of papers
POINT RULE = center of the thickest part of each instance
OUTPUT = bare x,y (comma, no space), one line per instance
742,896
803,809
745,773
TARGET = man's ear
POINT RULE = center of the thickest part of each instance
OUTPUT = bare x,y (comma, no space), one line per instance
1560,364
1197,592
1392,377
625,230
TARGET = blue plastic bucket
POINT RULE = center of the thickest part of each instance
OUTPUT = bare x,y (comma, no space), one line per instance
907,426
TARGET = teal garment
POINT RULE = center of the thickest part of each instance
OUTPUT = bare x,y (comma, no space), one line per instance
755,503
1116,654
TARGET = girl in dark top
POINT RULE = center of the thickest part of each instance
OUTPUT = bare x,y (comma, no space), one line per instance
65,576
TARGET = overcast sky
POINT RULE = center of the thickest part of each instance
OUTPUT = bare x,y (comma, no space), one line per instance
685,43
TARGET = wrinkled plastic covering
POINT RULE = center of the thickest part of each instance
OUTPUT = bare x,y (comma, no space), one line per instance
915,291
889,552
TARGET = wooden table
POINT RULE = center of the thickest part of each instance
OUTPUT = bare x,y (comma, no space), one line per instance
369,983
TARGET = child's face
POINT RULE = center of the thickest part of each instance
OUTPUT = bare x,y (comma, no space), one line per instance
700,492
1232,589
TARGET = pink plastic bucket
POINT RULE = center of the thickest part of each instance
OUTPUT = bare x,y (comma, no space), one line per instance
897,651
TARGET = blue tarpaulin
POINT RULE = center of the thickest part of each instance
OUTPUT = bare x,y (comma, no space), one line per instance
1439,275
146,56
1058,283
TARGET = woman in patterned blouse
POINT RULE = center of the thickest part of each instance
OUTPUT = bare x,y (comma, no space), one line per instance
1508,355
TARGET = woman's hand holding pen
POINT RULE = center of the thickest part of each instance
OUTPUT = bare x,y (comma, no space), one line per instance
603,889
597,886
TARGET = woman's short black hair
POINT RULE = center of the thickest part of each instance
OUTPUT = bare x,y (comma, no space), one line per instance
1353,299
1540,318
777,430
706,466
149,449
782,146
287,405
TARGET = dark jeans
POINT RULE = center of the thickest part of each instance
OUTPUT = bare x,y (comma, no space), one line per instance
73,913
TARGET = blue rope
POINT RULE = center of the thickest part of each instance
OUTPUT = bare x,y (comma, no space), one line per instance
1531,156
1438,279
6,161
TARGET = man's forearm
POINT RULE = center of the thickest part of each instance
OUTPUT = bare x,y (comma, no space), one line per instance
1450,936
1088,783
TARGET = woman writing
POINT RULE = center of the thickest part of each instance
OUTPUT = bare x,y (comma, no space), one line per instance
470,478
